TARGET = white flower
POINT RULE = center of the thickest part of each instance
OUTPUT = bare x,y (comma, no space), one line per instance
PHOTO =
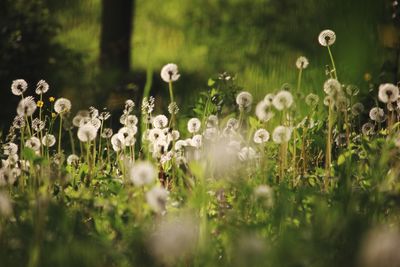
48,140
281,134
33,143
107,133
173,108
26,107
327,38
156,134
142,173
193,125
244,100
157,199
38,125
87,133
18,122
18,87
247,153
261,136
127,135
10,149
96,122
388,93
73,160
170,73
283,100
147,105
196,141
62,105
269,98
117,143
180,144
368,129
41,87
302,63
263,111
312,100
377,114
332,87
160,121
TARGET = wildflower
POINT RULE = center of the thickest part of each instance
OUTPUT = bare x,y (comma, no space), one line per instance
41,87
160,121
302,63
48,140
5,205
232,123
281,134
193,125
173,108
196,141
26,107
148,105
127,135
157,199
357,109
180,144
18,122
327,38
62,105
312,100
244,100
104,115
131,121
116,143
269,98
247,153
261,136
368,129
352,90
10,149
265,193
87,133
169,73
73,160
377,114
107,133
263,111
96,123
33,143
155,134
18,87
388,93
332,87
142,173
40,104
283,100
52,99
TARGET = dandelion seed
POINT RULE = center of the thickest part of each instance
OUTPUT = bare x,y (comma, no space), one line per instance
105,115
312,100
232,123
247,153
48,140
352,90
142,173
42,87
175,135
87,132
33,143
18,87
107,133
196,141
73,160
62,105
263,111
170,73
281,134
127,135
160,121
26,107
388,93
131,121
155,134
368,129
244,100
148,105
10,149
329,101
180,144
377,114
327,38
193,125
332,87
261,136
302,63
117,143
157,199
82,114
18,122
173,108
283,100
357,109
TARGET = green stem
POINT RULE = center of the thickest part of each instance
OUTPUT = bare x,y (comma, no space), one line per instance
59,135
333,62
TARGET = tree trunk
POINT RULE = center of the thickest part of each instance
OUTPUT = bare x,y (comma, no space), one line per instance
116,29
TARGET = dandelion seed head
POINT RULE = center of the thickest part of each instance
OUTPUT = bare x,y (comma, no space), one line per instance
302,62
18,122
244,100
42,87
26,107
388,93
261,136
142,173
329,101
38,125
173,108
73,160
283,100
107,133
160,121
127,135
327,38
180,144
10,149
62,105
265,193
147,105
87,132
157,199
210,133
342,103
377,114
281,134
104,115
194,125
332,87
170,73
352,90
263,111
312,100
19,86
368,129
247,153
212,121
357,109
33,143
117,143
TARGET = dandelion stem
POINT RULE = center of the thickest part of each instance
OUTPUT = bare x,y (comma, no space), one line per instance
71,138
333,62
59,134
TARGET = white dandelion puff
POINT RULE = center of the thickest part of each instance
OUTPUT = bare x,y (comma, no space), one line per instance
157,199
312,100
107,133
281,134
357,109
48,140
193,125
332,87
62,105
247,153
283,100
302,62
261,136
263,111
73,160
42,87
377,114
10,149
33,143
170,73
142,173
244,100
368,129
87,133
38,125
388,93
26,107
18,87
327,38
173,108
160,121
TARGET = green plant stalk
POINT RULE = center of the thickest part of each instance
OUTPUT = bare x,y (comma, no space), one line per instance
59,134
100,154
299,80
71,139
333,62
171,96
328,148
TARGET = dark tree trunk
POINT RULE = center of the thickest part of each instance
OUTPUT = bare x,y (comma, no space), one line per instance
116,29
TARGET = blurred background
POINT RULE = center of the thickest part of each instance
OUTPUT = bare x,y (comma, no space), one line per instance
99,52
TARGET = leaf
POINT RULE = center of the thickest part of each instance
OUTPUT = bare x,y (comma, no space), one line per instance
210,82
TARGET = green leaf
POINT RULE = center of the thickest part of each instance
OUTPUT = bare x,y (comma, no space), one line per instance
210,82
